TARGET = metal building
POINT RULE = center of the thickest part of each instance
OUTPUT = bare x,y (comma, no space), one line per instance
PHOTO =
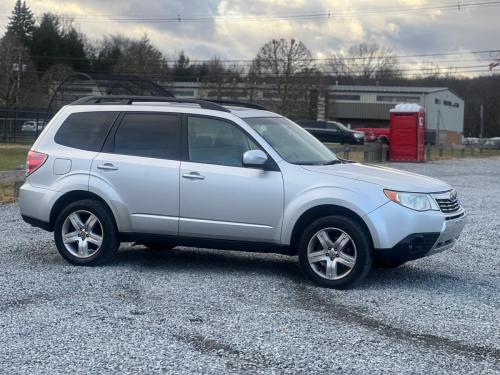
369,106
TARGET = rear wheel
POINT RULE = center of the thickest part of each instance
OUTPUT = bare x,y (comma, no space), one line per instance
335,252
85,234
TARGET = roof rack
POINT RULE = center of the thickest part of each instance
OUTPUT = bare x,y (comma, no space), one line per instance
117,100
237,104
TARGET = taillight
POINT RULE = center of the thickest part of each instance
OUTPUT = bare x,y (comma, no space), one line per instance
35,160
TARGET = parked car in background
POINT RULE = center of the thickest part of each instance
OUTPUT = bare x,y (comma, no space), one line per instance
181,172
474,141
332,131
33,126
382,135
492,143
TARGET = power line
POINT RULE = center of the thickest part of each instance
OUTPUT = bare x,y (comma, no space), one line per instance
325,15
326,59
405,72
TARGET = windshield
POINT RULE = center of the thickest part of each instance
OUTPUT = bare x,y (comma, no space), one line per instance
293,143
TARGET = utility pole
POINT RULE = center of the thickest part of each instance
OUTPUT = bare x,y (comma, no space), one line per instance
481,116
438,127
18,68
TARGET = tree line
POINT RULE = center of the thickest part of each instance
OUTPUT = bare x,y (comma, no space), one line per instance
36,53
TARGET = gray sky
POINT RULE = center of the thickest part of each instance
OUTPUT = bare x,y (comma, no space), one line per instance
410,32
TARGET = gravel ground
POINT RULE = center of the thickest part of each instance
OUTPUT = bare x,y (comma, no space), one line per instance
203,311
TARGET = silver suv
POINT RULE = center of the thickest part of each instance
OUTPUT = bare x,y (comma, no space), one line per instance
165,172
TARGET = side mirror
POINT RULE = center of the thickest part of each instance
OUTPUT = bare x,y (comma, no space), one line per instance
254,158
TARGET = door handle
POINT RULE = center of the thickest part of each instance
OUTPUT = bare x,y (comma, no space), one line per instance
193,176
107,167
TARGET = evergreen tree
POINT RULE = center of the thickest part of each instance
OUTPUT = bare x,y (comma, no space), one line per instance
22,23
183,70
55,44
47,42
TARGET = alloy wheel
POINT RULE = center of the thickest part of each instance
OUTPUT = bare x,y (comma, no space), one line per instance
331,253
82,234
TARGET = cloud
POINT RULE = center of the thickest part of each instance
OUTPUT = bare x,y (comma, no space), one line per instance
406,33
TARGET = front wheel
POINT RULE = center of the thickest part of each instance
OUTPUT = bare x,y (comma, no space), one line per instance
335,252
85,234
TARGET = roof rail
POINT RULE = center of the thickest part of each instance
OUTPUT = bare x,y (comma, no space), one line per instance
236,104
119,99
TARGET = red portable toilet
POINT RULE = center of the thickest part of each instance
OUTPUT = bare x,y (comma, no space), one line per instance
407,133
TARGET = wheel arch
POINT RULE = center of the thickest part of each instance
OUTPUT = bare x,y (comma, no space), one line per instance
384,139
318,212
73,196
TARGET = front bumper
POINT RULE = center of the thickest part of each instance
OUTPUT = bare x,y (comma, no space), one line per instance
452,228
358,141
423,234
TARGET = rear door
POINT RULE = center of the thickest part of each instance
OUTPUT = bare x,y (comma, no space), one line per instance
138,170
219,197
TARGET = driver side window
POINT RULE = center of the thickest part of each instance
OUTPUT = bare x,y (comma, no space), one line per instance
212,141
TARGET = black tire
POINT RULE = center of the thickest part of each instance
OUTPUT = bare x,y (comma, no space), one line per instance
110,242
362,242
384,140
159,246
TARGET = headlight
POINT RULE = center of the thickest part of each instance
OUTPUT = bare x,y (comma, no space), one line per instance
359,135
415,201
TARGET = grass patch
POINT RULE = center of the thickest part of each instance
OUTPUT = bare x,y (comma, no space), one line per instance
7,192
12,155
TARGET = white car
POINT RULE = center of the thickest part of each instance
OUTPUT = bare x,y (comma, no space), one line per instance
166,172
33,126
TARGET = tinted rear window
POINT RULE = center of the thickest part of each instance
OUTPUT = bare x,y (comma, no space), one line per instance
85,130
149,135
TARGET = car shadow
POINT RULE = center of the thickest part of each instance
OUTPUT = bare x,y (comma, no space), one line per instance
183,259
409,276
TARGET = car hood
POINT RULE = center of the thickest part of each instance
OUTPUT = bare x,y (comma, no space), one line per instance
385,177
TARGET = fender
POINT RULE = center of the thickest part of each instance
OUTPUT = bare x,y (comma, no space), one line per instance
316,196
101,187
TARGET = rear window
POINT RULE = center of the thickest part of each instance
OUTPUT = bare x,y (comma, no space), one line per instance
149,135
85,130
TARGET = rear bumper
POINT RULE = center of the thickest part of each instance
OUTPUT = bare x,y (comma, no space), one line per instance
35,203
419,245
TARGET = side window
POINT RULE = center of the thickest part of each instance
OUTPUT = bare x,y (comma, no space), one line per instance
85,130
149,135
212,141
332,126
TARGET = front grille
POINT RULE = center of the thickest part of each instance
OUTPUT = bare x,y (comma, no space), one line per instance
448,206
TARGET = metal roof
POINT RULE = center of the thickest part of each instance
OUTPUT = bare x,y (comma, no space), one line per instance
390,89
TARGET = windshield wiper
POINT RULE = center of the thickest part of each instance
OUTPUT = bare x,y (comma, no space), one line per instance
334,161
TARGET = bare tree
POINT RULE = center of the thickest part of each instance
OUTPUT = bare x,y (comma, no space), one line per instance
142,58
121,55
221,80
367,61
287,68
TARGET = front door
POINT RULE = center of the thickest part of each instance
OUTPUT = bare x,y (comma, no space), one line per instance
219,197
139,172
